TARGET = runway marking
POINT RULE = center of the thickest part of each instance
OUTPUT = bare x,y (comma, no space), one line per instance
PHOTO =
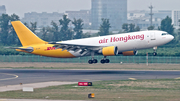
132,78
15,76
177,78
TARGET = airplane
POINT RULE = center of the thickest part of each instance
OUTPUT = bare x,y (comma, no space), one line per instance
126,44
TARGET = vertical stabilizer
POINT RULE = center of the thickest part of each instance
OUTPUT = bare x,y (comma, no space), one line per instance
26,36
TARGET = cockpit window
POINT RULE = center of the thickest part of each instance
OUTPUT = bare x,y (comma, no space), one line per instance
164,33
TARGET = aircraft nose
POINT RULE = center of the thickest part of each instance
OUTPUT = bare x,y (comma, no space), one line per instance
171,37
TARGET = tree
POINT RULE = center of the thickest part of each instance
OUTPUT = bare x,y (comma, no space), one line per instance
151,28
166,25
104,27
137,28
178,35
125,26
55,31
33,26
7,34
45,31
65,32
5,28
78,28
14,17
13,36
26,24
130,28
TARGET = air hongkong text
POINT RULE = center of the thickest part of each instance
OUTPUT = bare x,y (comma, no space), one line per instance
125,39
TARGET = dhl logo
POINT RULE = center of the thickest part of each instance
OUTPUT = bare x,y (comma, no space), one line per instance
50,48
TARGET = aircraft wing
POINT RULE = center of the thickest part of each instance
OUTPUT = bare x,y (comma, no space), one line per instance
84,49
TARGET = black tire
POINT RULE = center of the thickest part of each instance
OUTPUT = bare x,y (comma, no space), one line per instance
95,61
103,61
107,60
155,54
90,61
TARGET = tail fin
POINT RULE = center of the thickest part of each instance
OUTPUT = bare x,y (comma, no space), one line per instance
26,36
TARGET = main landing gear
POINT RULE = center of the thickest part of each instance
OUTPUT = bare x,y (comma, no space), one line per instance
93,61
96,61
104,60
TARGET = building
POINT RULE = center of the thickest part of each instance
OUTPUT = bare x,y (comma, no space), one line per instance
145,23
143,13
43,19
162,14
141,18
82,14
2,10
114,10
175,18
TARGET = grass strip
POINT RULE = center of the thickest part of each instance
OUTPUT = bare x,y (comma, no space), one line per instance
125,90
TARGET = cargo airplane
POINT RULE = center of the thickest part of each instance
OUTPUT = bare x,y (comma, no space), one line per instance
110,45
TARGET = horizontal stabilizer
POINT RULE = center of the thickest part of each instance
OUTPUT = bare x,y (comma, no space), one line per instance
29,49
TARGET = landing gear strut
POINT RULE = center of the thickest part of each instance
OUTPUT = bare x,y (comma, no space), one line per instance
154,53
92,60
104,60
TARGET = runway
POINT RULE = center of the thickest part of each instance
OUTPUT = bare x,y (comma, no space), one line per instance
16,76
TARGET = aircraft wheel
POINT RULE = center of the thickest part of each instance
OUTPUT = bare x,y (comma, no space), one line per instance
90,61
154,53
107,60
103,61
95,61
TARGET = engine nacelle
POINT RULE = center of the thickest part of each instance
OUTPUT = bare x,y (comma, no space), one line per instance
110,51
129,53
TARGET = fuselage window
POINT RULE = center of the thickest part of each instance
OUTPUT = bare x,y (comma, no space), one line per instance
164,34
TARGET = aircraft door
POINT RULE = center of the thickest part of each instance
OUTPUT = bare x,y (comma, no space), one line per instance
152,36
148,38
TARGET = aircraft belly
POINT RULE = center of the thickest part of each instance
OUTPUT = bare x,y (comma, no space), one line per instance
76,54
50,51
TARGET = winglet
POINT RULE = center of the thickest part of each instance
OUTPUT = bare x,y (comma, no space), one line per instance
26,36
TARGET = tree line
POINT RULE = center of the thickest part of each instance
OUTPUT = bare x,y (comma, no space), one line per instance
57,32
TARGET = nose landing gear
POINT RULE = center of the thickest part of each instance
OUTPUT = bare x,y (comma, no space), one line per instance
154,53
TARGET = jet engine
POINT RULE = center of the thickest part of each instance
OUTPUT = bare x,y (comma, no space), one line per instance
109,51
129,53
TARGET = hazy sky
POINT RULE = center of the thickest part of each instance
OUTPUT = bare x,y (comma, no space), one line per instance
20,7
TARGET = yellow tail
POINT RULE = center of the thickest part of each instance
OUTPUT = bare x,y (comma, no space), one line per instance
26,36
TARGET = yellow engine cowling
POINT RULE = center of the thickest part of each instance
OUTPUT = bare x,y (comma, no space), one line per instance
110,51
129,53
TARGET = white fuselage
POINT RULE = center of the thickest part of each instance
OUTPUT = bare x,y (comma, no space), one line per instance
127,41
